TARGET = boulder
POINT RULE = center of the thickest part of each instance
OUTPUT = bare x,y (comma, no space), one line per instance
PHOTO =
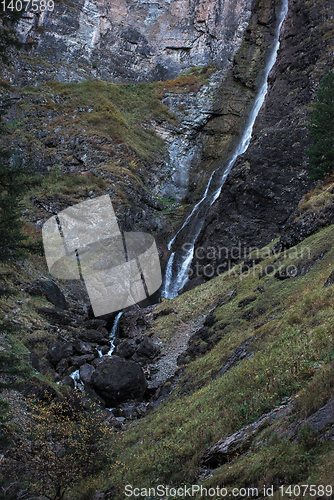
148,349
68,381
81,347
117,380
59,351
126,348
86,372
50,291
55,314
78,361
94,336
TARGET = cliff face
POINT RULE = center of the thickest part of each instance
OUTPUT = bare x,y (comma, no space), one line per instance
209,105
267,182
136,41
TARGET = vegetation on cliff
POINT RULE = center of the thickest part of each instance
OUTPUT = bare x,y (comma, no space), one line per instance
321,130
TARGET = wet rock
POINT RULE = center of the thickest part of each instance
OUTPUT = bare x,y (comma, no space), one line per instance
270,178
86,372
117,380
50,291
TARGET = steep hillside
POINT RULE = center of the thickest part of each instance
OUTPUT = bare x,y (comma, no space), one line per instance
230,384
264,356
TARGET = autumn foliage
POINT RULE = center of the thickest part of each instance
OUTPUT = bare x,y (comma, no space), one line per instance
63,441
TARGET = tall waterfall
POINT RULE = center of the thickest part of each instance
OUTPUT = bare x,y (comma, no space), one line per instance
179,262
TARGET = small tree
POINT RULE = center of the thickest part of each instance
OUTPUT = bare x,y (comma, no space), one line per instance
321,130
63,441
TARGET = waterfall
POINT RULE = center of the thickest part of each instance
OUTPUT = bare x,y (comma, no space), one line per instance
179,262
114,333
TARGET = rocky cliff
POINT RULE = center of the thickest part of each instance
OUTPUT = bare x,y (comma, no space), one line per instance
268,181
136,41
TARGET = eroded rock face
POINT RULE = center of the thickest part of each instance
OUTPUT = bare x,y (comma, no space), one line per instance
268,181
137,41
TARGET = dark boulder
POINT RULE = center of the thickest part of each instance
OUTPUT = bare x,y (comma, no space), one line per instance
330,280
117,380
86,372
55,314
94,336
126,348
81,347
78,361
50,291
59,351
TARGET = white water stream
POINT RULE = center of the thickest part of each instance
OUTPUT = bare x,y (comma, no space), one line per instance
179,262
113,335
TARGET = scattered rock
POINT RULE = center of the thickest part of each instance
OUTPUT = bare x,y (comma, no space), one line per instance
59,351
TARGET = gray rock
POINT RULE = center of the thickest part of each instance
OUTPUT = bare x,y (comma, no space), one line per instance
50,291
78,361
81,347
117,380
86,372
94,336
323,417
239,442
68,381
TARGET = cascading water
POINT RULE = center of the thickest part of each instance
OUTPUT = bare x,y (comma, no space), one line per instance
179,262
114,333
113,336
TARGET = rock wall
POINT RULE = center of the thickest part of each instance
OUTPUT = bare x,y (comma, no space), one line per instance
268,181
136,41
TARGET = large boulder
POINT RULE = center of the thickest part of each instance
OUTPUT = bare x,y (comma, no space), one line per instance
50,291
117,380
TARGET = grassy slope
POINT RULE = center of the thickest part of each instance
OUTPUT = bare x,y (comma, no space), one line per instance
292,321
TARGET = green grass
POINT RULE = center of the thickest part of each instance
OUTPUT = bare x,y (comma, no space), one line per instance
293,326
